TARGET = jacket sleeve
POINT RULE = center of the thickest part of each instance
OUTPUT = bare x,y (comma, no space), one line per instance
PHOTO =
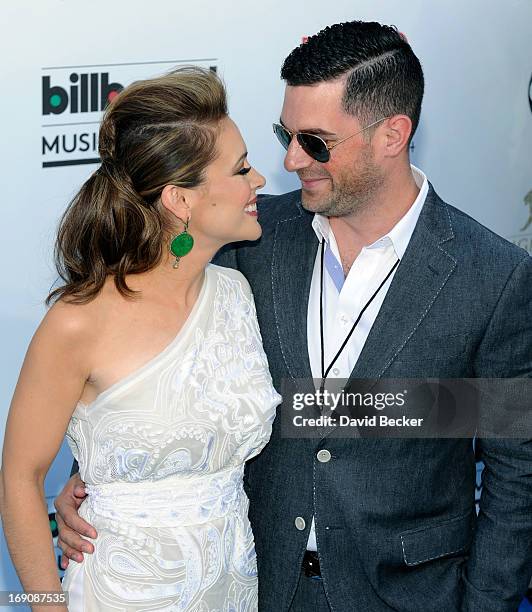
226,257
74,469
499,567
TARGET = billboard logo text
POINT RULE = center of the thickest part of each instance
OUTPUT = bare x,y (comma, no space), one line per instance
87,93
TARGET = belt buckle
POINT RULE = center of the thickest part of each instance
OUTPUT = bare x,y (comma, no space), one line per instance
311,565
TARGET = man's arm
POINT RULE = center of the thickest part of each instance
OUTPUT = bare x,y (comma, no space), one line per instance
499,568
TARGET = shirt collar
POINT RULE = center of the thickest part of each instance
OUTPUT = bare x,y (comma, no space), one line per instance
399,236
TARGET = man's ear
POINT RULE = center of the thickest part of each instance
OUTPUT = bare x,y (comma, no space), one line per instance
396,133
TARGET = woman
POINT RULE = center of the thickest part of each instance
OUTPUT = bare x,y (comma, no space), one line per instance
151,361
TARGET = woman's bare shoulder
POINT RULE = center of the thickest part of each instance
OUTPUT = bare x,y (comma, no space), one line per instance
73,321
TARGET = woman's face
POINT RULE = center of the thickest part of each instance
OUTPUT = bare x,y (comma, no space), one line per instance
224,209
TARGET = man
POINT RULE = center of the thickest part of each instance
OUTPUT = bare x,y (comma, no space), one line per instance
372,524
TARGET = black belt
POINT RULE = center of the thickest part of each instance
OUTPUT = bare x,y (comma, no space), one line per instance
311,564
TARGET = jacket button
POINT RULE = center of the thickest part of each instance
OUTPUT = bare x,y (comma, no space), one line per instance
300,523
323,456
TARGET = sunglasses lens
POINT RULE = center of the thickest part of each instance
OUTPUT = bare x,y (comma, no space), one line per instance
283,135
314,146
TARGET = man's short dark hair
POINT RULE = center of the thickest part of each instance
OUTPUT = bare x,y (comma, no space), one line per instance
384,76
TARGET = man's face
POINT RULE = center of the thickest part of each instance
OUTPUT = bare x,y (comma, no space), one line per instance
348,182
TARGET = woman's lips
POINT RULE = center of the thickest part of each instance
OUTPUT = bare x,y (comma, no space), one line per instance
251,208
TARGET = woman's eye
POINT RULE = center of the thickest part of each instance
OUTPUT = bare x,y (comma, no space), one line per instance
243,171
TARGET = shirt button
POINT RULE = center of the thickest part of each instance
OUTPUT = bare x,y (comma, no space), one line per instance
300,523
336,371
323,456
343,319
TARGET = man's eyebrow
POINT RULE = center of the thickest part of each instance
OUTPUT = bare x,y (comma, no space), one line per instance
241,159
316,131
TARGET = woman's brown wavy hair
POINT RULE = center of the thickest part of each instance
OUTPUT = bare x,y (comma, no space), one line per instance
156,132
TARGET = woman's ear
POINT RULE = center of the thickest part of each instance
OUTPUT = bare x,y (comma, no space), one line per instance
177,201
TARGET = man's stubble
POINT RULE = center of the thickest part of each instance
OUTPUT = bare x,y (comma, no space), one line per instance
352,191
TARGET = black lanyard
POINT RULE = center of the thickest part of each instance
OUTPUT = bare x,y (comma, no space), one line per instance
325,372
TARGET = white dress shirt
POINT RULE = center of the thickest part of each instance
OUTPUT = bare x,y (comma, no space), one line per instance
344,299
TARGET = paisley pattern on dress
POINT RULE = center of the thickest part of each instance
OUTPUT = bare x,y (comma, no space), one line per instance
162,454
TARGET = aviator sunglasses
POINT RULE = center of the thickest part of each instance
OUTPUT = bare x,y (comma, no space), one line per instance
313,145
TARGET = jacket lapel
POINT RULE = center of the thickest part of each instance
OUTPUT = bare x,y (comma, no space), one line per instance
294,252
421,275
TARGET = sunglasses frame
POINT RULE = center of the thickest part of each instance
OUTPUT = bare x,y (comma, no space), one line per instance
327,148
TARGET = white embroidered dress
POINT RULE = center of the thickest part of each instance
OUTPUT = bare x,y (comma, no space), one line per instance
162,453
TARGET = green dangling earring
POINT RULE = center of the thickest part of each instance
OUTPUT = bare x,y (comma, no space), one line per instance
181,244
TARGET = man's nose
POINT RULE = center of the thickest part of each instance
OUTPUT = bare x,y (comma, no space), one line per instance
296,158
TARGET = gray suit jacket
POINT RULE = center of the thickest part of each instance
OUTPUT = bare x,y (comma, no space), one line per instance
395,520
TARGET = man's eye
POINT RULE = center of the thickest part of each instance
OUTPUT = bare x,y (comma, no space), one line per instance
244,170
